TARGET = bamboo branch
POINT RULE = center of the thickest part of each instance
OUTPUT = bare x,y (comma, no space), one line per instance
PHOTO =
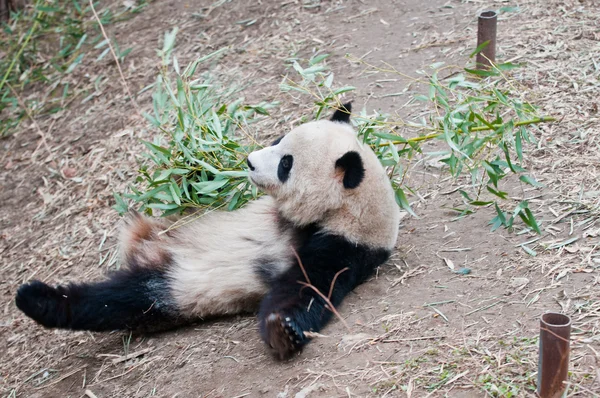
333,281
543,119
36,23
301,265
329,305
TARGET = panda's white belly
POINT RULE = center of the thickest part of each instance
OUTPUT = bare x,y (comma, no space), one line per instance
215,259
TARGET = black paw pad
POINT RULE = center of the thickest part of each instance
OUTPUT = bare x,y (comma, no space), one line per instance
283,335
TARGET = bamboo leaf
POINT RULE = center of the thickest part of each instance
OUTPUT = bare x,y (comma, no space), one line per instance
120,205
529,251
343,90
481,72
403,202
317,59
530,180
389,137
531,221
498,193
479,48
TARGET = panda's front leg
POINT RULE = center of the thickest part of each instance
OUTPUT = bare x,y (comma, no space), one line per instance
290,309
293,306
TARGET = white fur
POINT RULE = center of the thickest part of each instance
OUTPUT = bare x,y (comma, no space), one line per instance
314,191
215,258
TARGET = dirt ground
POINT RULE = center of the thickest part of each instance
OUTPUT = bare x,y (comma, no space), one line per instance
480,339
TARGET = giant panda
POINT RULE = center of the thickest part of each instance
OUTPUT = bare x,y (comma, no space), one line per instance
329,218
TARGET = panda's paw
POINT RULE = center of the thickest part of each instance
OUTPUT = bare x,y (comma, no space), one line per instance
283,335
41,303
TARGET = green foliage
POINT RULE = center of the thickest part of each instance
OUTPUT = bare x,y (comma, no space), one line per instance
43,43
479,122
495,388
198,159
474,114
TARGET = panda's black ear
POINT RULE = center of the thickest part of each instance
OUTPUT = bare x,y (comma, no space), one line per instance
342,114
352,166
277,141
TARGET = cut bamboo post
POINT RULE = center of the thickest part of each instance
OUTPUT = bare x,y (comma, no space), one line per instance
486,32
553,363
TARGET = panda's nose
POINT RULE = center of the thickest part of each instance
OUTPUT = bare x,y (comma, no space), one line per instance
250,164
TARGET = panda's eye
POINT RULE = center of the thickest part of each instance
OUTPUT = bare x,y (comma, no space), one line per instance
285,165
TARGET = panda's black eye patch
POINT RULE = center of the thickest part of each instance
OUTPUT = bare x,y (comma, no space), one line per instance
285,165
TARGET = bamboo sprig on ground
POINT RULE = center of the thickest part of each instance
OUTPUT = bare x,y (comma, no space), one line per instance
482,124
541,119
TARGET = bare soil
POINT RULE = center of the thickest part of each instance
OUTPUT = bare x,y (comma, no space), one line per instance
57,181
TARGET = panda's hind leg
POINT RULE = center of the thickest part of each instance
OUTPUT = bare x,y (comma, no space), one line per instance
138,296
134,298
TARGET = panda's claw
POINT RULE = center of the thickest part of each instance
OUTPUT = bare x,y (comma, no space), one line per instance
283,336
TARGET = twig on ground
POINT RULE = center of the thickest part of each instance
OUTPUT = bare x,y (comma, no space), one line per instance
112,51
37,126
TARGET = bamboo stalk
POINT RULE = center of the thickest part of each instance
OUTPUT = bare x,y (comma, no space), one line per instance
33,28
537,120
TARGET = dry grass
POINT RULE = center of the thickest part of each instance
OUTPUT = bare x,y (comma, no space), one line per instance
477,337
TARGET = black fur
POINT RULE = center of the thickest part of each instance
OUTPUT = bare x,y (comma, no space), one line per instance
277,141
249,164
290,308
284,168
354,172
342,115
299,234
136,298
265,268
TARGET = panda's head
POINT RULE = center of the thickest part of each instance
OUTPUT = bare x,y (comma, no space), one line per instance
314,169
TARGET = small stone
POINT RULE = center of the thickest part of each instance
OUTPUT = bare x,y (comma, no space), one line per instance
518,282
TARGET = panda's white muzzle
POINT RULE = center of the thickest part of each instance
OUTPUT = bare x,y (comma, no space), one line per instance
262,167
